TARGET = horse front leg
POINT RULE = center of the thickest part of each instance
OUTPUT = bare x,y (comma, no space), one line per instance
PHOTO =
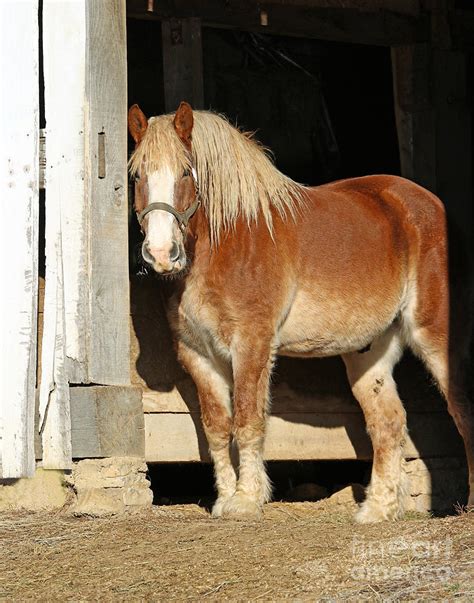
252,368
215,402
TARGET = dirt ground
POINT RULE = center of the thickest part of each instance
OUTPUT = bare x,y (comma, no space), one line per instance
302,551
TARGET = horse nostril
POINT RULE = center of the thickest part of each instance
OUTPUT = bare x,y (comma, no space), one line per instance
174,252
146,252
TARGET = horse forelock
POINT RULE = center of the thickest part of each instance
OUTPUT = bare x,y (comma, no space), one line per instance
236,177
160,149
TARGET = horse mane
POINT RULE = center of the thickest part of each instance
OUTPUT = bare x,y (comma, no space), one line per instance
236,176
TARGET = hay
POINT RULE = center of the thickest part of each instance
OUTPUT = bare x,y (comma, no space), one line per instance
300,551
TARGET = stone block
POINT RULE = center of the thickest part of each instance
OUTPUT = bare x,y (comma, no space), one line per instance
110,486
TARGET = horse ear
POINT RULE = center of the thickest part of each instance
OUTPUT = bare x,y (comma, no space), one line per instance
137,123
183,122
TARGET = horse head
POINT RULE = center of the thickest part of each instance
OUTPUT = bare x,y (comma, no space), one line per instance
165,193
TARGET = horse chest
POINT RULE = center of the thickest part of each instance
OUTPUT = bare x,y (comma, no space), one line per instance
201,327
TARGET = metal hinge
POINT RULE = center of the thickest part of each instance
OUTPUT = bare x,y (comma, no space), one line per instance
42,159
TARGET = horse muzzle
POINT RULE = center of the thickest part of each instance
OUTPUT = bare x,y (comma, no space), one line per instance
170,260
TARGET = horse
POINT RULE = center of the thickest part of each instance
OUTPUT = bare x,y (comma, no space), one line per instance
265,266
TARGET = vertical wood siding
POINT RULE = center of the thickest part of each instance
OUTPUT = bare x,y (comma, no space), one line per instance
19,196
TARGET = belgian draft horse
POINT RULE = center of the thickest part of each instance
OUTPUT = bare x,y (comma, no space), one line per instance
270,267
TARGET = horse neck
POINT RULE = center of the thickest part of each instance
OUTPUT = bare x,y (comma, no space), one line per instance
198,242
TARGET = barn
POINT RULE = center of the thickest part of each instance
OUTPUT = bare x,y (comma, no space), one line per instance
90,388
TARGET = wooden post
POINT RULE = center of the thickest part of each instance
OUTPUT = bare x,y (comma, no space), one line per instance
64,30
19,194
86,307
434,126
182,63
106,192
414,113
454,159
86,147
64,342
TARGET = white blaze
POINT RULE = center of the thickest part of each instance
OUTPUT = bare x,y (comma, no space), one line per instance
160,223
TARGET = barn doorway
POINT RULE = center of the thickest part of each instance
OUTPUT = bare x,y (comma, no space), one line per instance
326,111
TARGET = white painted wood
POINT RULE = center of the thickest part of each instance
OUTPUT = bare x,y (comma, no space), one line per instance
85,98
106,102
66,306
86,306
64,50
19,194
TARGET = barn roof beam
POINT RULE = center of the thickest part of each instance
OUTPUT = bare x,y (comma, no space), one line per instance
343,21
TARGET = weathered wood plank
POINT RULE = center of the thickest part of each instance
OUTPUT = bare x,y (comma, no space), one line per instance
106,102
19,193
339,24
66,303
64,35
171,437
182,63
105,421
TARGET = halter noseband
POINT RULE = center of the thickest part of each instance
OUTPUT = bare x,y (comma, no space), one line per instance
182,217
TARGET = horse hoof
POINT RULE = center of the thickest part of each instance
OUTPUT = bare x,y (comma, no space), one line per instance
242,508
372,513
218,506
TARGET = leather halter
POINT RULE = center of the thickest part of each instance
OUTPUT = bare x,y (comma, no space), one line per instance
182,217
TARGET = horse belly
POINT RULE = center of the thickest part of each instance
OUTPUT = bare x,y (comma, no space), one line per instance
316,327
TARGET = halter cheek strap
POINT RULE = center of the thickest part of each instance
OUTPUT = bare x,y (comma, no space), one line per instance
182,217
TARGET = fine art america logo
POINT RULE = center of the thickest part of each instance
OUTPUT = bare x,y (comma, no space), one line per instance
418,560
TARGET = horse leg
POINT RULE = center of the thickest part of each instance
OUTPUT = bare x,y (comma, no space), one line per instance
252,368
370,377
215,401
449,368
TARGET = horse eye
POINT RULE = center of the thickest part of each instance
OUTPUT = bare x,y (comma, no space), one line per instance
136,178
186,173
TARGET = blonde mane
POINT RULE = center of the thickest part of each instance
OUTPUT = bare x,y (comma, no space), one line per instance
235,174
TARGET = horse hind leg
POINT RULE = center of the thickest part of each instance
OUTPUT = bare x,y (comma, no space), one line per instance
448,363
215,401
370,377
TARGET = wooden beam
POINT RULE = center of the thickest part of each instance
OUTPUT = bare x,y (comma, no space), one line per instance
403,7
105,421
178,437
453,131
433,113
182,63
87,206
106,189
64,52
383,28
19,226
414,113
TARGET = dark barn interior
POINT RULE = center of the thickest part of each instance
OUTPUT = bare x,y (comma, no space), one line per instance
333,92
